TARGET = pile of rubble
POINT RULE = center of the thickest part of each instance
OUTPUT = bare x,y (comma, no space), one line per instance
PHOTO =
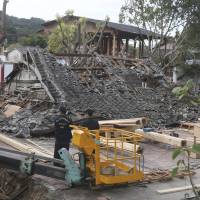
113,88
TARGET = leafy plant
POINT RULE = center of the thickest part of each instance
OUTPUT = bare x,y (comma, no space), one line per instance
34,40
185,164
186,93
62,38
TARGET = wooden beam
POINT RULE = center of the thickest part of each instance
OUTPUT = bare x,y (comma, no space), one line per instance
134,49
127,41
163,138
108,46
22,147
177,189
114,44
118,45
150,49
139,121
142,48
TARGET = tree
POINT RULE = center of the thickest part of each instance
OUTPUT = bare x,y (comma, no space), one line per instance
62,38
164,17
158,16
72,37
34,40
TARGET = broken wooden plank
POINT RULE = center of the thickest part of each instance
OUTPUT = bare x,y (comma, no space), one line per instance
40,148
167,139
177,189
11,110
21,147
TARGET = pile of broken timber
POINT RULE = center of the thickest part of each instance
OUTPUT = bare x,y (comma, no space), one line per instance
159,175
27,148
125,124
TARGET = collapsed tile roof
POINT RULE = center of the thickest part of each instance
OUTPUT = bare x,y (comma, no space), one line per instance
114,93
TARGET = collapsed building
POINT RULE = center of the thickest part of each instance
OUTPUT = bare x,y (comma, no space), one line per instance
114,87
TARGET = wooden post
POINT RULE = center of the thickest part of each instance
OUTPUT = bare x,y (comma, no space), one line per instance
3,18
150,45
118,45
142,48
165,41
114,44
108,46
134,48
127,40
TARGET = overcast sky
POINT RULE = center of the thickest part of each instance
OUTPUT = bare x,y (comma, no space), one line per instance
47,9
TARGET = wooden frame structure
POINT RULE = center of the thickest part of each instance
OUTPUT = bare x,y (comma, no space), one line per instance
116,37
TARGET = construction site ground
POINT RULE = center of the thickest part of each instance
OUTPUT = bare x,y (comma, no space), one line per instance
157,157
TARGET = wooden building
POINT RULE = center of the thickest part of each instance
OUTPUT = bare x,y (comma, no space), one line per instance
117,38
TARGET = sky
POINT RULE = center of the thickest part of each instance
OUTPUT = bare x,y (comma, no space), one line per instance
48,9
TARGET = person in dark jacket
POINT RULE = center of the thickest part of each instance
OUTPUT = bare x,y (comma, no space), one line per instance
90,122
63,133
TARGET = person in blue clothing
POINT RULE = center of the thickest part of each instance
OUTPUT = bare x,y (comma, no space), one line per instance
90,122
63,133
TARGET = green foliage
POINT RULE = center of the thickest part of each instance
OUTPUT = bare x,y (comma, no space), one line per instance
174,171
34,40
196,148
187,151
160,16
186,93
58,39
176,153
68,36
192,10
20,27
185,164
183,91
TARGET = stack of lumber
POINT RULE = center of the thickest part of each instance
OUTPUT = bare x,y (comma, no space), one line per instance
126,124
163,138
34,148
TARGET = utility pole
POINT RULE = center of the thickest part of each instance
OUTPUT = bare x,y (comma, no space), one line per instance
3,24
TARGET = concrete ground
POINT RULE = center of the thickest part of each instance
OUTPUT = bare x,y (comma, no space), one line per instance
128,192
157,156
